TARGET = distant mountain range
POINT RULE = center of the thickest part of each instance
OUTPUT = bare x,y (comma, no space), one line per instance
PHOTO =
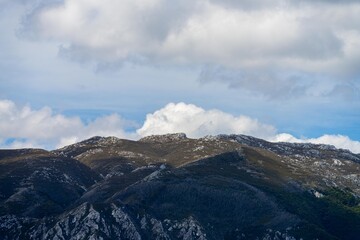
173,187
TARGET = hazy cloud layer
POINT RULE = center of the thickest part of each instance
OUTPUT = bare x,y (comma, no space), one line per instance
272,84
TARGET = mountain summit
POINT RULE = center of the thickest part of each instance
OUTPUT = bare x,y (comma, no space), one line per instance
174,187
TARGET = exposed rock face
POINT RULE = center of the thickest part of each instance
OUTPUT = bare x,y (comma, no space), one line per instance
164,138
174,187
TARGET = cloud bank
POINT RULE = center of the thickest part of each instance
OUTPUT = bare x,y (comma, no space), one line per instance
22,126
290,44
306,36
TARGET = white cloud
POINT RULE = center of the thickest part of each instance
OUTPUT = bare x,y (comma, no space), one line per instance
339,141
284,137
22,126
197,30
316,38
42,128
197,122
204,31
17,144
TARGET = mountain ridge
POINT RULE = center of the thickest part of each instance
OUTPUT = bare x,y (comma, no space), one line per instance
174,187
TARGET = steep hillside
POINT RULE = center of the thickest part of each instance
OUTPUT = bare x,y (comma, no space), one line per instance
37,183
173,187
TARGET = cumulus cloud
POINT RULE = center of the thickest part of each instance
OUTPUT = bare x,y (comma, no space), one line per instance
25,127
197,122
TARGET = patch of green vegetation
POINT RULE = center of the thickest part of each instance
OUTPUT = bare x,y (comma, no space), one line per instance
343,197
336,213
309,231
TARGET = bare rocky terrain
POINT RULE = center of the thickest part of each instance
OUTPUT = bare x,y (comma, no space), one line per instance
174,187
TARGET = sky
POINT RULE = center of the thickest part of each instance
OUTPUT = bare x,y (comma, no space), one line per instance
281,70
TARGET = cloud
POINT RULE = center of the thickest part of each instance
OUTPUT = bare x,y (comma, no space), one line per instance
270,83
19,143
190,31
22,126
197,122
26,127
339,141
264,40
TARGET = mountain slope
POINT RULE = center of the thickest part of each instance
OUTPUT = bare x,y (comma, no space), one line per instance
173,187
37,183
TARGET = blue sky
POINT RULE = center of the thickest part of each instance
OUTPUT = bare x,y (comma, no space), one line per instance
280,70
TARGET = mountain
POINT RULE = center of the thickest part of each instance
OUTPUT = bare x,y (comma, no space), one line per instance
173,187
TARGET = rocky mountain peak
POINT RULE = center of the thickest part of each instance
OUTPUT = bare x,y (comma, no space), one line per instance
173,187
172,137
101,140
